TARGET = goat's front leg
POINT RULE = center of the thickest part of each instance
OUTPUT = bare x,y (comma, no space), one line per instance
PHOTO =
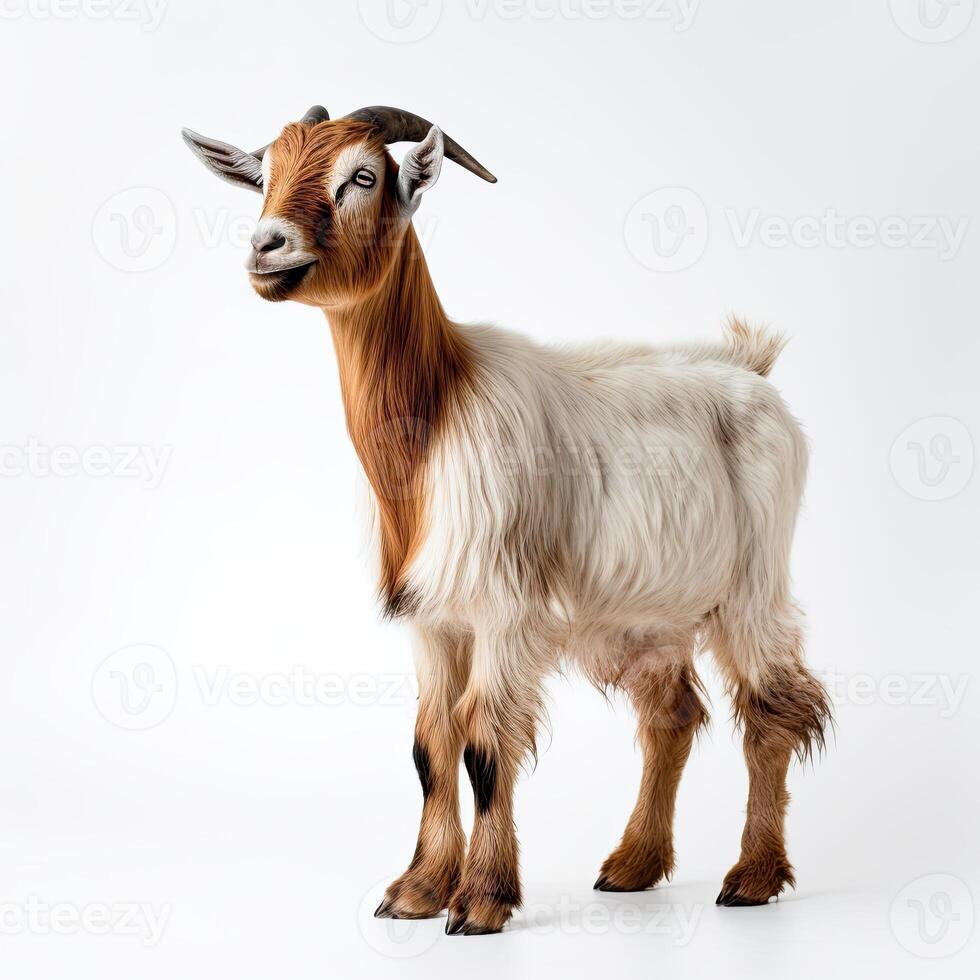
423,891
498,715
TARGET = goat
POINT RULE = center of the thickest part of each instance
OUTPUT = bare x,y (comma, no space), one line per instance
621,508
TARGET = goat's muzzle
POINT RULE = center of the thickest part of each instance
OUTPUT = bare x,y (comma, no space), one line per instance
279,259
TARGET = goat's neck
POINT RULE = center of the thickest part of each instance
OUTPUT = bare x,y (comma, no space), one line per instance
397,349
401,360
403,367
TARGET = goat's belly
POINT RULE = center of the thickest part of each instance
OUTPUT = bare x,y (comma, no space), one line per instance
633,549
661,554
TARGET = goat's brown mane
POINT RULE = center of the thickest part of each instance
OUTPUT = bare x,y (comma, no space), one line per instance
403,367
402,363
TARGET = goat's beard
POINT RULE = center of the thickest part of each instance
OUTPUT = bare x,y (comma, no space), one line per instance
276,287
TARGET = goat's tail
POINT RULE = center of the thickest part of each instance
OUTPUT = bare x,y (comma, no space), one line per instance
752,347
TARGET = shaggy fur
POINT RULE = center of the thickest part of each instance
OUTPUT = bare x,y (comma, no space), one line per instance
402,374
617,507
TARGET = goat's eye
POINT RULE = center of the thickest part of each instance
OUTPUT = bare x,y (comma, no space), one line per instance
364,178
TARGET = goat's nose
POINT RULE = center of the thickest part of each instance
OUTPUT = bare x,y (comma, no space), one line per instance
268,240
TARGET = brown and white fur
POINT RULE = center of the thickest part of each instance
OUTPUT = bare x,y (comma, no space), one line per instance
619,507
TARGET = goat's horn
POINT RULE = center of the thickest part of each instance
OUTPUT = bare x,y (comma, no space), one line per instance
399,126
315,114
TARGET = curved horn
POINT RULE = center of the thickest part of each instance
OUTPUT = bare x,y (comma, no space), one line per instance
315,114
399,126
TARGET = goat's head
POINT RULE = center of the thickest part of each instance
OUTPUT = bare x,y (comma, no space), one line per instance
336,205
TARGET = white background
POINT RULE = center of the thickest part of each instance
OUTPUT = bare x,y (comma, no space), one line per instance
264,832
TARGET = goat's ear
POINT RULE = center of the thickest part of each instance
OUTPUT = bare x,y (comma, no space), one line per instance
420,170
228,162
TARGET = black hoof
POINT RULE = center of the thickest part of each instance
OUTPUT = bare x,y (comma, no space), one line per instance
733,900
458,926
605,885
383,911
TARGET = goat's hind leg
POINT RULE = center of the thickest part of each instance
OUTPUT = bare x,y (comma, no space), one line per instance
784,711
668,703
423,891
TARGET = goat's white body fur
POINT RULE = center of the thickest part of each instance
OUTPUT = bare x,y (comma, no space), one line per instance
611,503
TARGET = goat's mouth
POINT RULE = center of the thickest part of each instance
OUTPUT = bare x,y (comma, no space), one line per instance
277,284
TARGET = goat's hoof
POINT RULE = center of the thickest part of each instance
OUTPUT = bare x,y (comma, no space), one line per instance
626,870
606,884
734,901
409,898
390,909
754,884
477,917
461,926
